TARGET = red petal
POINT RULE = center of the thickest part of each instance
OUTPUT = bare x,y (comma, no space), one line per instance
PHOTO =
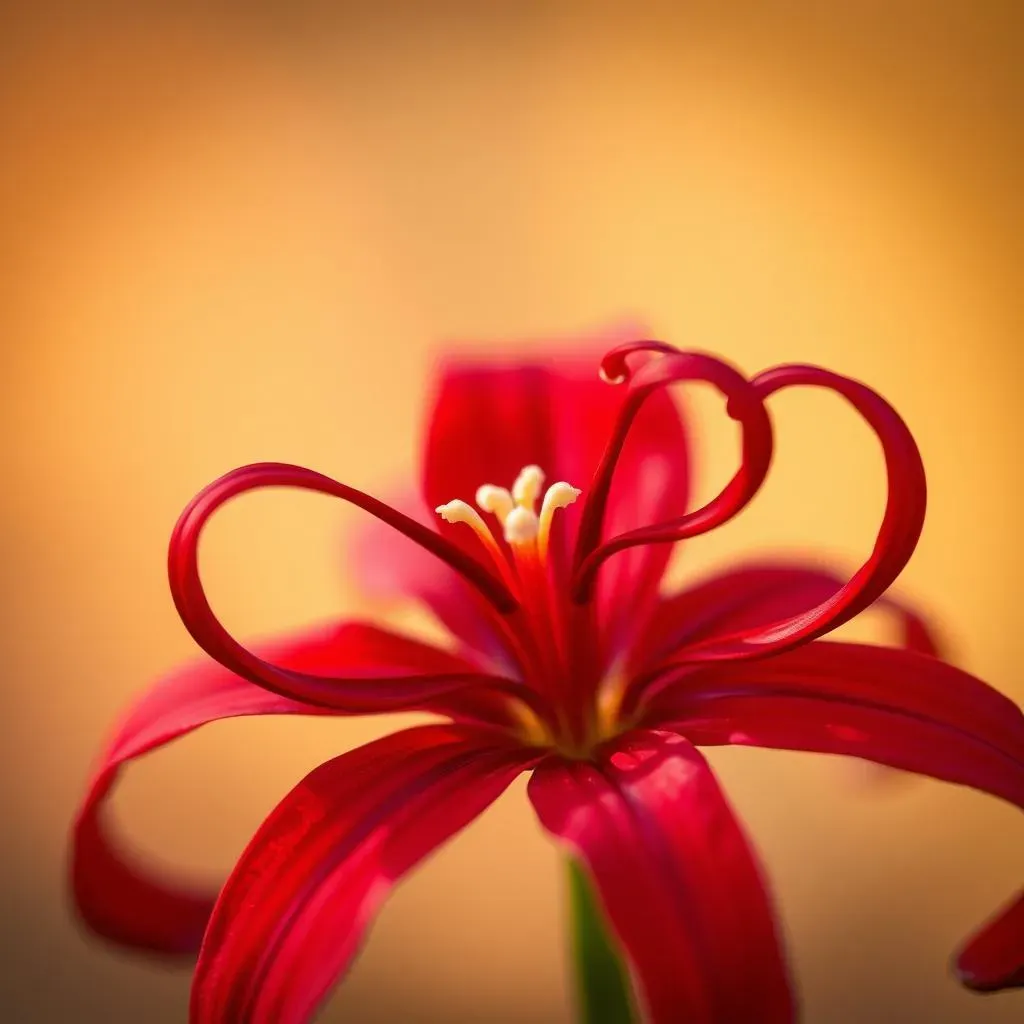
914,690
752,595
894,707
292,915
593,545
120,899
347,694
894,544
677,878
993,958
491,418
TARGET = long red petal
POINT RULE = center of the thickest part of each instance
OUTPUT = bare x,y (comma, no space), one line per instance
350,693
490,418
677,878
894,707
897,536
889,679
292,915
121,899
750,595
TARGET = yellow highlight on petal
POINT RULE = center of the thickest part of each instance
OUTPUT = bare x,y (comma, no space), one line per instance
532,729
608,720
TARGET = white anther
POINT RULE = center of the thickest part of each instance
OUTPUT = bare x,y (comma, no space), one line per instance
495,500
526,489
558,496
521,526
459,512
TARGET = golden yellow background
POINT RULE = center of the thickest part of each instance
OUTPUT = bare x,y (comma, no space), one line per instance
244,235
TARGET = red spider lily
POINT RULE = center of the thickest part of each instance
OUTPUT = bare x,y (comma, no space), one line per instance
570,663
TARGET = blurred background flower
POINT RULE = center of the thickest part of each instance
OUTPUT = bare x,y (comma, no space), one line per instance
242,234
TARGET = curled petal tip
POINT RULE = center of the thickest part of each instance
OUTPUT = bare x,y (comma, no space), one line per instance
613,371
992,960
676,366
983,984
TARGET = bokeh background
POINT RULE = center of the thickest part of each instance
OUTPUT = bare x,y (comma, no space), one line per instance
244,232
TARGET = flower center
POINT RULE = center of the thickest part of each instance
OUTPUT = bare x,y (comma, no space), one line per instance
525,531
551,634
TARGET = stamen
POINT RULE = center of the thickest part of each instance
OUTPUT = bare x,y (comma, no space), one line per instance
495,500
526,489
459,511
521,526
558,495
537,600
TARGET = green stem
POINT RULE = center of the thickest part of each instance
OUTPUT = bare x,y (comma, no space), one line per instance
602,984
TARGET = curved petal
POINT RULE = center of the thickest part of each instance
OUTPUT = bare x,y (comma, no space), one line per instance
121,899
297,906
752,594
348,694
490,418
993,958
743,404
895,541
893,707
887,680
677,878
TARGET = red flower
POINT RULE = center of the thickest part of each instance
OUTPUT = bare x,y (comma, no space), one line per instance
569,662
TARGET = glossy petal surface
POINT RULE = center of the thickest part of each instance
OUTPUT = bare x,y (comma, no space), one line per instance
808,699
893,707
756,594
118,897
677,877
293,913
